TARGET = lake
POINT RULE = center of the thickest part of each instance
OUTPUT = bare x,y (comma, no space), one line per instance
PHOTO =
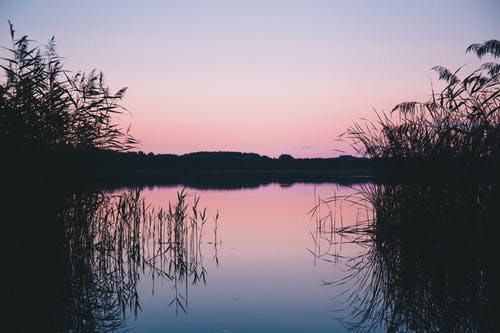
260,275
272,258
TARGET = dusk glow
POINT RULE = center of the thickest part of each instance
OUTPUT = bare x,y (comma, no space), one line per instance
269,77
250,165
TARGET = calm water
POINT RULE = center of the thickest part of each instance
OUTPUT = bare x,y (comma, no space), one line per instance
266,279
371,258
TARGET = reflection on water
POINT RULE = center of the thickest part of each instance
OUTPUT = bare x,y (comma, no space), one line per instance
112,262
111,240
429,262
417,258
99,247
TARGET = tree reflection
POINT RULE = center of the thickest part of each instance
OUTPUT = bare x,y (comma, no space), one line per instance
81,271
428,262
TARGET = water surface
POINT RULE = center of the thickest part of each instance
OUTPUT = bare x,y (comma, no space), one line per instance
266,279
275,258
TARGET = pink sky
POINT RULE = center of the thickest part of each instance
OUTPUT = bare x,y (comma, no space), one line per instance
269,77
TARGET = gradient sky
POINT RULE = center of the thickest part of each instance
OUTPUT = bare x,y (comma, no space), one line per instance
261,76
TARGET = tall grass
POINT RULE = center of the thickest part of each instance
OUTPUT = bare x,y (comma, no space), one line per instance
45,106
462,121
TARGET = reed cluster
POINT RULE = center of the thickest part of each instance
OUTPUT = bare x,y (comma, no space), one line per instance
42,105
462,121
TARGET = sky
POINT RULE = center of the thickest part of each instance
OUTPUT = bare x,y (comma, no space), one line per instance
263,76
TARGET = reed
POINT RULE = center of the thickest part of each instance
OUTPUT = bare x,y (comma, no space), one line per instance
43,105
461,122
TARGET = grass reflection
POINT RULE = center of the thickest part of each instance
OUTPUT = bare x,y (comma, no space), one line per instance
427,260
82,256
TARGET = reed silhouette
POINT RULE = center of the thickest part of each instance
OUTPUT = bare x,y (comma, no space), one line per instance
44,106
428,259
458,127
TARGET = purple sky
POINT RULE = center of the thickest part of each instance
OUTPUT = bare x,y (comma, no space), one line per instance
269,77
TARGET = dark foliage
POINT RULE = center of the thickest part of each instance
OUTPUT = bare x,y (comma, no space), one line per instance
429,259
460,122
45,106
